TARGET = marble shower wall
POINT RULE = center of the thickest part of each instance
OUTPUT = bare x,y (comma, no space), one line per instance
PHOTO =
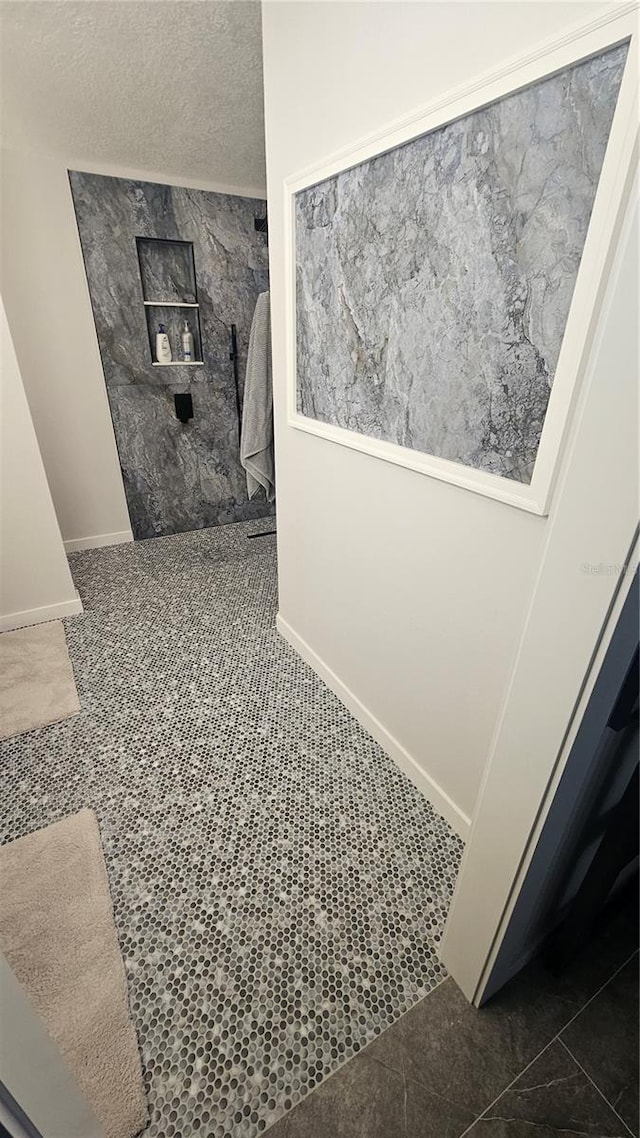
176,477
433,282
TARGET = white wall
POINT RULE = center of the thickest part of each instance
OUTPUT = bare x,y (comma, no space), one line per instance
35,582
34,1073
589,562
47,300
408,594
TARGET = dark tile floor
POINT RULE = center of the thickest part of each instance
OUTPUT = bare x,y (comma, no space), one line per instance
548,1056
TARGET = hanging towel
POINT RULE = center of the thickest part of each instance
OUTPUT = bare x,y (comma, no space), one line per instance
256,441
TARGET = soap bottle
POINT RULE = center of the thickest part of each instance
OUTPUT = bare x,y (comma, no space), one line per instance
163,347
187,343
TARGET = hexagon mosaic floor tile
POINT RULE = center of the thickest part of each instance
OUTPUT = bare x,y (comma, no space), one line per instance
279,886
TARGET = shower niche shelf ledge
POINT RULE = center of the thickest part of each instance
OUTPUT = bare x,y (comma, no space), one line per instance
179,363
168,304
168,279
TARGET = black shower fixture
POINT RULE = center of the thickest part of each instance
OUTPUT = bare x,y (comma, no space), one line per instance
262,225
234,357
184,407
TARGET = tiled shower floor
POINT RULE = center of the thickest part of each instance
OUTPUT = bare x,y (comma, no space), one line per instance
279,886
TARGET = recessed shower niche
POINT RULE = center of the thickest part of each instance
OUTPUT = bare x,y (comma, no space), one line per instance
170,295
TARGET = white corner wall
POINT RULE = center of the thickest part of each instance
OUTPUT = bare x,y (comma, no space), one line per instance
47,301
407,594
35,582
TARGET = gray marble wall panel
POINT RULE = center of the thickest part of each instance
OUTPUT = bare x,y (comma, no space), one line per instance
177,477
433,282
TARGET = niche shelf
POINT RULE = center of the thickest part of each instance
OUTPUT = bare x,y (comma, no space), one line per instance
170,295
167,304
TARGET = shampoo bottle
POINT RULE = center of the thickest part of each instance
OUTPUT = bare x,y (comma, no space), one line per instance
163,347
187,343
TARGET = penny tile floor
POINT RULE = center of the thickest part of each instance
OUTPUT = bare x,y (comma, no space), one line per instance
279,886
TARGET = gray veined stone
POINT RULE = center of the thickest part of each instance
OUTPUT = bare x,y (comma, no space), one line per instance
433,283
176,477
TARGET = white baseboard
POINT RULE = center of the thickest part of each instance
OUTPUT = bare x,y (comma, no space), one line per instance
420,779
98,540
14,620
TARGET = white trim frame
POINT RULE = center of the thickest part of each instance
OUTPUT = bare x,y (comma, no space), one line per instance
550,57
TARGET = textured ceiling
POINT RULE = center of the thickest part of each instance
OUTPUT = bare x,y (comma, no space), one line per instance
173,88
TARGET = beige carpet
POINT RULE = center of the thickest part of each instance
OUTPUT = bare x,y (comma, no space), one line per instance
36,679
58,935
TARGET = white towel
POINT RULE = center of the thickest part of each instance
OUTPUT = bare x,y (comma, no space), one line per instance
256,446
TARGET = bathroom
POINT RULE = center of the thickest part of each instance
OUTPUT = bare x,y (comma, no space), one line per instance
279,754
